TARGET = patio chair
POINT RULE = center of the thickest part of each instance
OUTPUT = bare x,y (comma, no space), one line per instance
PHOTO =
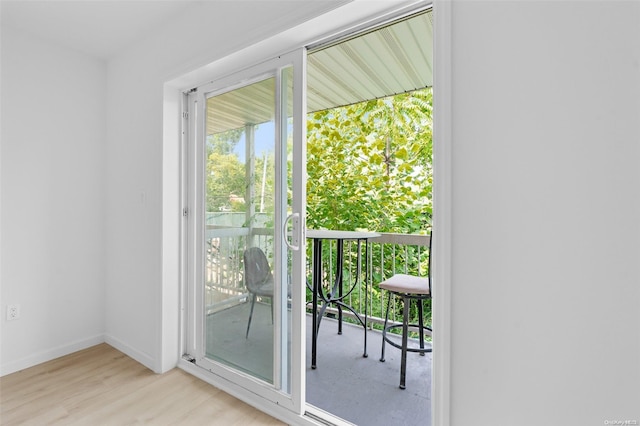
257,278
409,288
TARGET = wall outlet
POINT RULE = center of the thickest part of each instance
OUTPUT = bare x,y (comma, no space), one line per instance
13,312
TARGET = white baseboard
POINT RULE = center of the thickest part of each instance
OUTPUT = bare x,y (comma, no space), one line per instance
48,355
141,357
251,398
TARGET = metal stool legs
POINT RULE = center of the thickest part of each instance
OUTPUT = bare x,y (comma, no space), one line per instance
404,347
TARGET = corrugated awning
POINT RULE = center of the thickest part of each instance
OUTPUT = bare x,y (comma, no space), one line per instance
394,59
388,61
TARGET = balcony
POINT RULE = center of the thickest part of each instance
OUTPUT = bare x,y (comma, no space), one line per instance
361,390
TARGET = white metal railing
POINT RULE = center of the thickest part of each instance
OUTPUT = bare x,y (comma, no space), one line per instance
384,256
224,269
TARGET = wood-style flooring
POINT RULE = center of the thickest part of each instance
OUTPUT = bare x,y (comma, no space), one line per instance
102,386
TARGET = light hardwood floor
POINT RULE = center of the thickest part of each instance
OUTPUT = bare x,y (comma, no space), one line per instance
102,386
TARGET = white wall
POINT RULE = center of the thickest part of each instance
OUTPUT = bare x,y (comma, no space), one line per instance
100,265
142,311
52,154
546,207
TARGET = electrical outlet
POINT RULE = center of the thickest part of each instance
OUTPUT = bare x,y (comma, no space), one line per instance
13,312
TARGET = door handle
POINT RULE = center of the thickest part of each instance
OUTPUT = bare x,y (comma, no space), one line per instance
294,218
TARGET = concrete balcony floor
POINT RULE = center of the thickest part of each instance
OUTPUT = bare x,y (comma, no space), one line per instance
363,391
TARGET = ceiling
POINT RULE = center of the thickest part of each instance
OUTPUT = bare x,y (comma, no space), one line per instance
95,28
104,28
394,59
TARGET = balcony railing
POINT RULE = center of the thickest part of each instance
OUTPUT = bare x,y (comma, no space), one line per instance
384,256
224,283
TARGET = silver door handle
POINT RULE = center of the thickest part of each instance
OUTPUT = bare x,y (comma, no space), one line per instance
294,218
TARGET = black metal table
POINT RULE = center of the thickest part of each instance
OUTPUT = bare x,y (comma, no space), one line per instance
335,295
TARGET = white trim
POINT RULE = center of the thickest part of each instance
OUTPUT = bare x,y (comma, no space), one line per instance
251,398
189,245
167,311
196,234
263,70
299,203
189,107
143,358
327,417
49,354
442,204
350,17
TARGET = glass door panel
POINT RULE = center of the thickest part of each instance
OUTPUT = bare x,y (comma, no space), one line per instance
240,208
248,233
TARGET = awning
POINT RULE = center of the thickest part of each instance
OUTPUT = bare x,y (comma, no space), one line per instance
394,59
388,61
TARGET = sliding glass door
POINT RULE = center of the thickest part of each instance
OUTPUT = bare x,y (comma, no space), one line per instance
248,246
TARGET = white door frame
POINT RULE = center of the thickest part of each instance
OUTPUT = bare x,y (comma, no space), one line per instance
442,221
342,20
195,317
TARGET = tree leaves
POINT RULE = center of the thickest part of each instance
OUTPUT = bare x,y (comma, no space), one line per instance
369,165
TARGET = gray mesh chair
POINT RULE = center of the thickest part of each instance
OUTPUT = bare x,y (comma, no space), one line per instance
257,278
410,289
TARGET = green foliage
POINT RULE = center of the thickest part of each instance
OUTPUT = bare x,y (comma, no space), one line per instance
225,142
226,179
369,165
225,176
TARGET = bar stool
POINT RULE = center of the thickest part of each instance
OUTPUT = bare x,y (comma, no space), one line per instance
409,288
